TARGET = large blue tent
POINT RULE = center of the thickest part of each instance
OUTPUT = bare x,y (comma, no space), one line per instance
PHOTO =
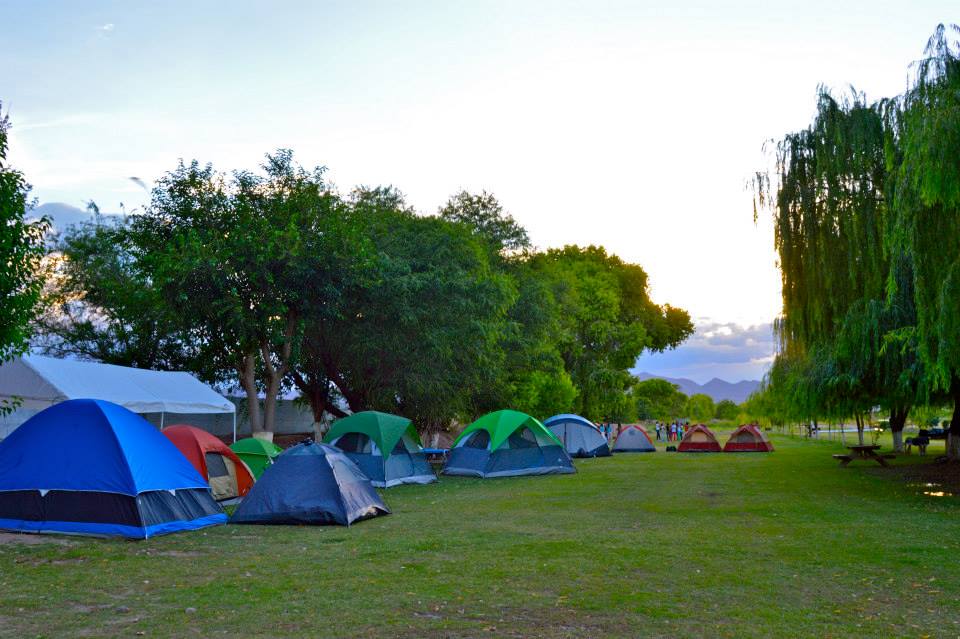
91,467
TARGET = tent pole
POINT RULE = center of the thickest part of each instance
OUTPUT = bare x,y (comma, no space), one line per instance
161,420
234,426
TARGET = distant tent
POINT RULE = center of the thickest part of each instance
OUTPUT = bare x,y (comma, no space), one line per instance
633,439
385,447
256,453
227,475
699,439
310,483
91,467
748,438
507,443
580,437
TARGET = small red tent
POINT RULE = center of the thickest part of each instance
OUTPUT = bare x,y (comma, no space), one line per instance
699,439
227,475
748,438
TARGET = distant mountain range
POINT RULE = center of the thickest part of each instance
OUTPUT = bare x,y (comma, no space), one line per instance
716,388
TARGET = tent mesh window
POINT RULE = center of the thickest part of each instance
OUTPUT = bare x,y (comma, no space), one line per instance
479,439
405,445
354,443
215,465
523,438
743,438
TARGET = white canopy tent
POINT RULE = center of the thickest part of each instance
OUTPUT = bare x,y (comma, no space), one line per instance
38,382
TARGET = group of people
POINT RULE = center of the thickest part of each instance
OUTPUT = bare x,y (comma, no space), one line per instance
672,432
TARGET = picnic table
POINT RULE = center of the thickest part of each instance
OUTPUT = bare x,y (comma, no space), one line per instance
865,451
436,455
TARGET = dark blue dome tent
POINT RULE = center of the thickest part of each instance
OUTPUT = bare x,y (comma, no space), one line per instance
310,483
580,437
90,467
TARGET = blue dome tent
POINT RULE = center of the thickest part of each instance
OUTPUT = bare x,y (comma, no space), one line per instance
580,437
90,467
310,483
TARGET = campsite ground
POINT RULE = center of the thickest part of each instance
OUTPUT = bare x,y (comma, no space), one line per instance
660,545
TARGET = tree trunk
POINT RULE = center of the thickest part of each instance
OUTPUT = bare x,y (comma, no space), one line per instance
275,374
860,421
898,418
248,381
953,435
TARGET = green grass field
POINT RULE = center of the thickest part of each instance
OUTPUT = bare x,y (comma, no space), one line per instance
661,545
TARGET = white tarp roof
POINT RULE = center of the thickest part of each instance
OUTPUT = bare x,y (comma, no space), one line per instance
46,379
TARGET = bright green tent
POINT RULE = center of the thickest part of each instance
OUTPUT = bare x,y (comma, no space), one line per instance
386,448
507,443
503,423
256,453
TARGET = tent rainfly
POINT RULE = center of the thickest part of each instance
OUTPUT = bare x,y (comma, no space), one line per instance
40,382
748,439
699,439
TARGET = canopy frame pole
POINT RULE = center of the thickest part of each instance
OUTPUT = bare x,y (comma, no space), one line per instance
234,427
161,420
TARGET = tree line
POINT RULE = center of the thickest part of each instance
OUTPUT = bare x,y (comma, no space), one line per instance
866,209
272,281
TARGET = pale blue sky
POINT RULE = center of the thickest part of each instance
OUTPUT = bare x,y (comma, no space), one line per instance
629,124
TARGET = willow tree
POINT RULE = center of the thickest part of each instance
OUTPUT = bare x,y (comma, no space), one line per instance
923,154
828,200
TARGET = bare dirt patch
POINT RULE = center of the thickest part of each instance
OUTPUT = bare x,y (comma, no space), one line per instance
31,540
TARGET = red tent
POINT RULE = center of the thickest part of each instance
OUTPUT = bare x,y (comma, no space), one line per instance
748,438
227,475
699,439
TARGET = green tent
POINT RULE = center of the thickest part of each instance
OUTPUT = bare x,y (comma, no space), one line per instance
507,443
386,448
256,453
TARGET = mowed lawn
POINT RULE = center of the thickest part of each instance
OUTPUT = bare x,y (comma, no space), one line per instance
661,545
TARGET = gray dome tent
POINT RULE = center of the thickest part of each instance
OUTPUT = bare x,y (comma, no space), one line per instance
310,484
633,439
579,435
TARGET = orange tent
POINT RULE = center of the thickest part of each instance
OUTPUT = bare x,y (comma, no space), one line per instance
227,475
699,439
748,438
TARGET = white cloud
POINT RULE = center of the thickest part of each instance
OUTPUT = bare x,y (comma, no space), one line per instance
106,28
726,350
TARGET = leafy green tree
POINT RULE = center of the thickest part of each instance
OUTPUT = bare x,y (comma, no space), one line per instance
658,399
419,332
726,410
922,145
607,319
700,407
544,394
100,305
484,214
21,251
245,259
841,299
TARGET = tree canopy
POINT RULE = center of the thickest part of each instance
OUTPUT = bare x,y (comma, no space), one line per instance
274,281
862,201
21,252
